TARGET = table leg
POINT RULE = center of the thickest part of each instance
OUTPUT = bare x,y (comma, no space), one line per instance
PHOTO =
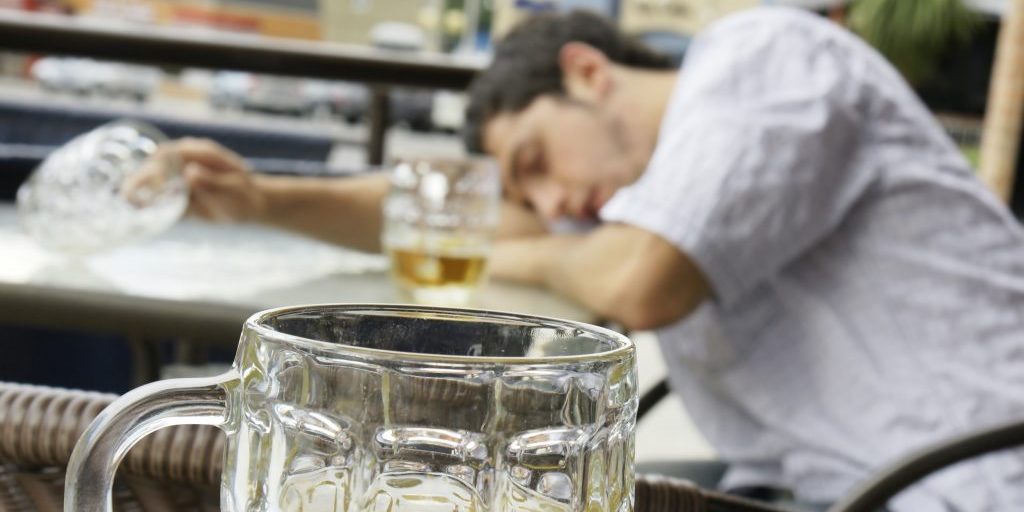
380,112
145,361
189,353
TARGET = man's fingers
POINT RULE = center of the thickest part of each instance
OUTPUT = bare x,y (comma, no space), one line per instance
195,174
220,196
201,176
208,153
203,192
211,208
198,206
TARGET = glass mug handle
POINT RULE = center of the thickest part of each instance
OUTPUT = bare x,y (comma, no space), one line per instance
128,419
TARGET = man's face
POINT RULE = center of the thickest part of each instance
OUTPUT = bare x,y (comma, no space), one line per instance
561,156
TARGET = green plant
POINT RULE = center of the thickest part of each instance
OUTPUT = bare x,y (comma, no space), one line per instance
972,153
913,34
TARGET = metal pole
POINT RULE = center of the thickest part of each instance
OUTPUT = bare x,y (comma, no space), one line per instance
380,112
173,46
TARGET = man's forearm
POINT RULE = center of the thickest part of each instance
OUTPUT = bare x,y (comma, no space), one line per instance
619,272
576,269
344,211
555,262
530,260
347,211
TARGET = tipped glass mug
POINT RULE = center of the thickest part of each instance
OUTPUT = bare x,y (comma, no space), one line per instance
397,409
105,188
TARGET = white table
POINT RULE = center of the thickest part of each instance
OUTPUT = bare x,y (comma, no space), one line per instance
199,281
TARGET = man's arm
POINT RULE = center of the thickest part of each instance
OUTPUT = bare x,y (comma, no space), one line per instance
624,273
347,211
343,211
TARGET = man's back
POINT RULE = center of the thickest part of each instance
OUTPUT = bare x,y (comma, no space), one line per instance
869,290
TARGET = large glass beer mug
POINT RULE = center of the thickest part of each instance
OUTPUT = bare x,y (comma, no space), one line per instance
397,409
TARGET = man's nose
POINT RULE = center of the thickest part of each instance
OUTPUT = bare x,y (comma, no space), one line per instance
549,200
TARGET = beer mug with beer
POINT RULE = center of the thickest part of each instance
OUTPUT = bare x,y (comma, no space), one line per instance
439,221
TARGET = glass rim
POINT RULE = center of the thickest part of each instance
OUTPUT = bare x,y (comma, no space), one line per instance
472,159
622,345
144,127
458,161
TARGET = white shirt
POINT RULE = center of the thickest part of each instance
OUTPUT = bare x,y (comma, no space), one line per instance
869,291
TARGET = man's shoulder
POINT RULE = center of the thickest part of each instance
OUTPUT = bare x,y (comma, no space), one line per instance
763,25
760,35
768,18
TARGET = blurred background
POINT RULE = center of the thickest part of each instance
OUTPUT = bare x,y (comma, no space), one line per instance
358,83
320,124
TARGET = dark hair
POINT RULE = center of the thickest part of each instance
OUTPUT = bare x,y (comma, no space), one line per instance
525,64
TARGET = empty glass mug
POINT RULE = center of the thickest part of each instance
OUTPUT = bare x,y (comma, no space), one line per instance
103,189
439,220
397,409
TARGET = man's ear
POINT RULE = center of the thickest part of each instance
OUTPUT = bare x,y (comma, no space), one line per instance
586,72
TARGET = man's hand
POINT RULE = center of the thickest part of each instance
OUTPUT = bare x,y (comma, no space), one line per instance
344,211
623,273
222,188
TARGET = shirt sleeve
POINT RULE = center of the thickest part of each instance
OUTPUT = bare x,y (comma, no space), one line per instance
750,168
